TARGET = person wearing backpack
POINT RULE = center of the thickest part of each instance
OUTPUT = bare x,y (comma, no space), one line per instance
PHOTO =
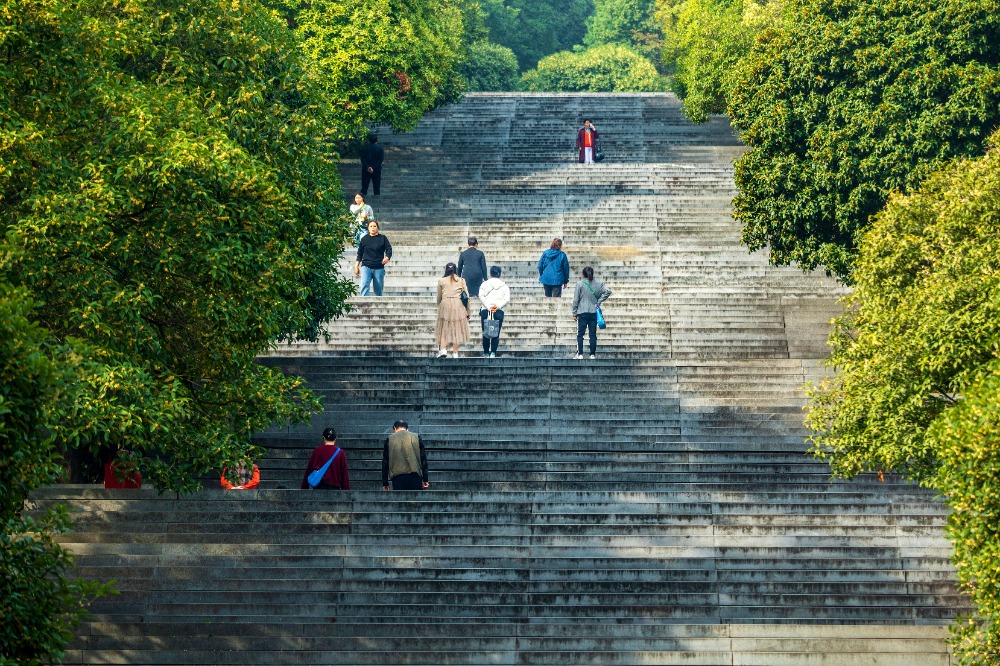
331,456
590,293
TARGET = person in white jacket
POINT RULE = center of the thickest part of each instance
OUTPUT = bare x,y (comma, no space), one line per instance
494,294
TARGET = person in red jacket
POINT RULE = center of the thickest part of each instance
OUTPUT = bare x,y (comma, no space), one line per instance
240,478
336,477
586,142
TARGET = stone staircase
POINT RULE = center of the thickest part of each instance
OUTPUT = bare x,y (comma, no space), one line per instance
651,507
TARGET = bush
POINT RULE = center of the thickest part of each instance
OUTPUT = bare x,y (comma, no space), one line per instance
490,66
607,68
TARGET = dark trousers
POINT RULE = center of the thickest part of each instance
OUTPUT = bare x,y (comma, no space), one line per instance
490,344
553,289
411,481
584,321
375,178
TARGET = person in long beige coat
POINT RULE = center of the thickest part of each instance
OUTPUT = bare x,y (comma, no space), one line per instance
453,317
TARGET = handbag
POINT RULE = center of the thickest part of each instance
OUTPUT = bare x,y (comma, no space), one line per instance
598,153
597,309
464,296
316,476
491,327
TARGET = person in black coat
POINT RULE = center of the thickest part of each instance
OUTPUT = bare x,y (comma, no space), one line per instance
372,156
472,266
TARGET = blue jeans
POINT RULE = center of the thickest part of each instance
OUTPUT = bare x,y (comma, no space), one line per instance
369,275
586,322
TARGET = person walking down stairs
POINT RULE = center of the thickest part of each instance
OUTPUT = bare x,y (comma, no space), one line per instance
590,293
494,294
362,213
553,269
472,266
374,252
336,476
404,460
453,312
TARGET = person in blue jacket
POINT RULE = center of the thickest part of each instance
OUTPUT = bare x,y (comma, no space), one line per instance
553,269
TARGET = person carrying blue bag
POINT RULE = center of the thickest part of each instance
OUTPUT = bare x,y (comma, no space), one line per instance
327,468
590,293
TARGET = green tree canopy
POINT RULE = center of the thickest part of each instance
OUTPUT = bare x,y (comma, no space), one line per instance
489,66
534,29
384,61
627,22
169,199
607,68
917,360
704,44
849,102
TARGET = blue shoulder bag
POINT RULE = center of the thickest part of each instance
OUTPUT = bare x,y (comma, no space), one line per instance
316,476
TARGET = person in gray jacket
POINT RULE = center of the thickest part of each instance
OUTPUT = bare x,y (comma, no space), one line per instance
404,460
589,294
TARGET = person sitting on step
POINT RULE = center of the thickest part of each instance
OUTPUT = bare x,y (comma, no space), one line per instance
240,478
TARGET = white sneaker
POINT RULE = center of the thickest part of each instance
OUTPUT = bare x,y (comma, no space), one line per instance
442,354
592,357
492,355
454,355
578,357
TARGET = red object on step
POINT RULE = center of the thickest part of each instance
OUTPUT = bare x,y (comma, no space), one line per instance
111,481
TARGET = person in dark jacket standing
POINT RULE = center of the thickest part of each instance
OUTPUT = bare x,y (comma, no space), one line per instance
589,294
472,266
372,156
374,252
336,477
404,460
553,269
586,142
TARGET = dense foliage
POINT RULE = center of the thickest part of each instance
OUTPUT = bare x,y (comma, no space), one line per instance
169,208
627,22
169,199
607,68
918,368
704,44
387,61
850,101
40,605
489,66
534,29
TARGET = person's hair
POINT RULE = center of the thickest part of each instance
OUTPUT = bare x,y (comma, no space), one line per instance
362,197
373,138
556,244
588,273
473,241
586,120
495,271
400,424
330,435
370,221
449,269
